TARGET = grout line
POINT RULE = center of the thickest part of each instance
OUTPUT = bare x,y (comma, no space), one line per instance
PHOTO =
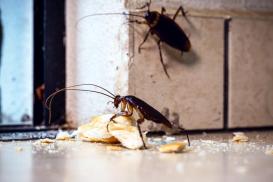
226,74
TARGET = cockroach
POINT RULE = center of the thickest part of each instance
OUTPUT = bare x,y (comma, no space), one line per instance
166,29
127,105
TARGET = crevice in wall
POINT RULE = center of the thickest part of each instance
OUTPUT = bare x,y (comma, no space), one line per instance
226,73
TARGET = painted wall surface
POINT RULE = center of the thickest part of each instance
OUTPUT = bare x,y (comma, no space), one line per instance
97,52
237,5
16,70
193,95
103,50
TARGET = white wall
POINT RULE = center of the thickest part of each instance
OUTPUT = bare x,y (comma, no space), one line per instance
97,50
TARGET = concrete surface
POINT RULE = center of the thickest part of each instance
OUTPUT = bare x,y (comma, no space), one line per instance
251,73
194,92
212,157
237,5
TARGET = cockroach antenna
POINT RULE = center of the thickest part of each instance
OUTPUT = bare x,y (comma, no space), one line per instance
50,98
77,85
101,14
92,85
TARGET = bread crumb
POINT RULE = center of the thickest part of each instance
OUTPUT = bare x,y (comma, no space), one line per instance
114,148
46,141
19,149
269,151
174,147
63,135
239,137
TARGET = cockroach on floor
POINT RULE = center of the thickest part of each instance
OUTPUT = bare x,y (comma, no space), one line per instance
127,105
166,29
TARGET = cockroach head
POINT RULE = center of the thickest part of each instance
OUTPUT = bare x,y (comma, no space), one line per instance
117,100
151,17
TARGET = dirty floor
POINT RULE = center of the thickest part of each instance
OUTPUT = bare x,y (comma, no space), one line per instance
211,157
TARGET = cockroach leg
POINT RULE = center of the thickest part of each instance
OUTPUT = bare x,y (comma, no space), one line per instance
161,59
144,40
183,12
107,126
146,36
139,121
122,113
178,10
110,102
111,120
146,5
163,10
185,131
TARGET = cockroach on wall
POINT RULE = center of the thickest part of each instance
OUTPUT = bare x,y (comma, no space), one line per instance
166,29
127,105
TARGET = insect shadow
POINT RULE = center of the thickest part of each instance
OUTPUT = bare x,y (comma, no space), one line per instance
190,58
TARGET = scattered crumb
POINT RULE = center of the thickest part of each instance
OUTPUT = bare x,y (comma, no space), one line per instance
168,139
114,148
239,137
46,140
174,147
19,149
63,135
269,151
74,134
157,139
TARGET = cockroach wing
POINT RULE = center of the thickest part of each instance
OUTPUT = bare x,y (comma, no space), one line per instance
148,111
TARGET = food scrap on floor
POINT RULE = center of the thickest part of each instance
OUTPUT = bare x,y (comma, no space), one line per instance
269,150
18,149
174,147
63,135
121,130
239,137
114,148
46,141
